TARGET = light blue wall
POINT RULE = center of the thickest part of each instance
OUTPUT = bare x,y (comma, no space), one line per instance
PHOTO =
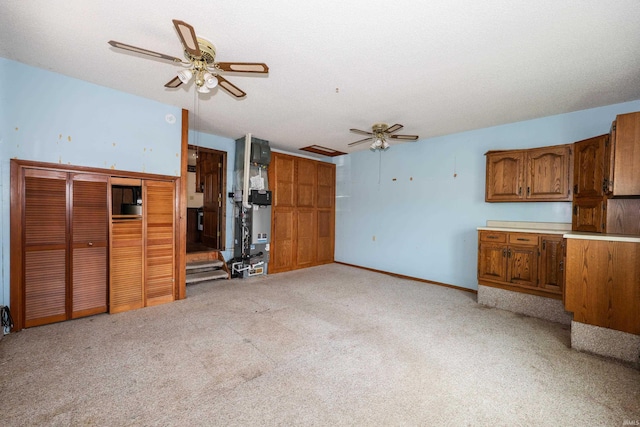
227,145
48,117
424,218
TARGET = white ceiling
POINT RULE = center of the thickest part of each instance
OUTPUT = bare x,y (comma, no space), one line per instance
438,66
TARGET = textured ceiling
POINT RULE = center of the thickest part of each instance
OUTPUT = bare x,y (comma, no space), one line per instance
438,67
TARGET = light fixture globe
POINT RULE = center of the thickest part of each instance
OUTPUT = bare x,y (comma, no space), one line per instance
185,75
210,80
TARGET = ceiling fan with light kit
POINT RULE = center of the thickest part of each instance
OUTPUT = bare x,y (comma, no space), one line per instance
200,62
381,132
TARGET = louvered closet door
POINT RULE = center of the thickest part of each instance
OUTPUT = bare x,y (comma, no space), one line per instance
89,237
158,209
125,290
45,246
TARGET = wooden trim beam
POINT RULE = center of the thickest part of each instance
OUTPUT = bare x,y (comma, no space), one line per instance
181,213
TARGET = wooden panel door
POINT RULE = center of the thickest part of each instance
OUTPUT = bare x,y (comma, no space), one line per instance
306,183
326,241
89,245
45,240
210,166
551,266
588,215
306,238
126,265
282,180
326,186
158,202
492,262
589,167
505,176
626,155
548,173
282,243
522,265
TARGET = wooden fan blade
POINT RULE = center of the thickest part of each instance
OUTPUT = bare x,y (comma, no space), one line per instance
188,38
394,128
361,132
404,137
173,83
243,67
232,89
359,142
143,51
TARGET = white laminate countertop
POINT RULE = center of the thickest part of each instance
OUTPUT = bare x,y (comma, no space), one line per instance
554,228
528,227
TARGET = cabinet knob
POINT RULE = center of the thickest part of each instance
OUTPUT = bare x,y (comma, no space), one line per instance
90,243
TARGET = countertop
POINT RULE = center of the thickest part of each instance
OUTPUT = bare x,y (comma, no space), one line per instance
554,228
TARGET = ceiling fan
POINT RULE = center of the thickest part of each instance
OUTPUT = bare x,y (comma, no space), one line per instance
201,55
379,135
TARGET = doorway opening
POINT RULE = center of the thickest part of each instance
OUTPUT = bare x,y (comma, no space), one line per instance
206,203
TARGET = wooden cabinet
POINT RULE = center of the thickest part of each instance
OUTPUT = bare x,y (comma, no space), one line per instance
524,262
539,174
603,283
303,212
606,180
64,250
623,178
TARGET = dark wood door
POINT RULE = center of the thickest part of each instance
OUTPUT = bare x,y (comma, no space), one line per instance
588,215
210,166
589,167
45,237
89,245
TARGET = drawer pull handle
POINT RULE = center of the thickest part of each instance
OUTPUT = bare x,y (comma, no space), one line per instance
522,239
492,237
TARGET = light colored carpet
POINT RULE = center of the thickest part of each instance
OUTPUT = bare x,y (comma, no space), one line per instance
331,345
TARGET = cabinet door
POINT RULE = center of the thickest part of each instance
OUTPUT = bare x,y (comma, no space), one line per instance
492,262
522,265
551,266
282,179
306,237
626,155
548,173
158,203
588,215
326,186
282,243
589,167
45,247
504,176
306,183
325,236
89,245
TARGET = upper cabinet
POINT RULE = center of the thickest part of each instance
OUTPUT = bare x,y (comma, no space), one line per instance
623,165
534,175
589,167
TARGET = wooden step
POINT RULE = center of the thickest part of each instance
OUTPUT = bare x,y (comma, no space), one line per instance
214,263
206,276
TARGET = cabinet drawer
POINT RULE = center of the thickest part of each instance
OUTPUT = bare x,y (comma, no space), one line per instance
493,236
523,239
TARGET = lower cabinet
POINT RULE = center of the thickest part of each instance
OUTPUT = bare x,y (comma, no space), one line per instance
524,262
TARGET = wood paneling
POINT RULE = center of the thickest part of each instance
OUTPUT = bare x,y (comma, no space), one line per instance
603,283
623,216
159,244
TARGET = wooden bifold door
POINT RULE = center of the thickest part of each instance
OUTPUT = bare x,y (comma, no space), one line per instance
65,250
